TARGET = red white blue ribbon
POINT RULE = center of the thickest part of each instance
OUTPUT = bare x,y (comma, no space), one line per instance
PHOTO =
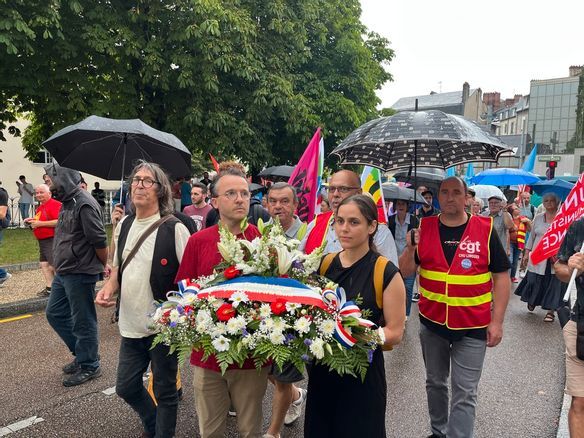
337,303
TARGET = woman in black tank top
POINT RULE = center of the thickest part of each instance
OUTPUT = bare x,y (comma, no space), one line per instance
344,406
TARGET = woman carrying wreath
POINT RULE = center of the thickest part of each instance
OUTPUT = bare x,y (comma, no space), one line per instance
345,406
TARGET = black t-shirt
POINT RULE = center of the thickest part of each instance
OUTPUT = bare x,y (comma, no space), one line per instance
357,279
571,245
499,262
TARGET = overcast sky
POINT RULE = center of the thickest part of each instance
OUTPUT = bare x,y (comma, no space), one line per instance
497,46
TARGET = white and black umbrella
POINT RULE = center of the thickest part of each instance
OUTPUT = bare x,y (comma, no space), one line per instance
109,148
419,138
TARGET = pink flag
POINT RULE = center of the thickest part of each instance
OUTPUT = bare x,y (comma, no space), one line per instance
571,210
305,179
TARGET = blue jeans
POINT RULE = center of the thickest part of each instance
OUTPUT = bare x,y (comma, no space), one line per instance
135,354
514,258
409,283
24,208
71,313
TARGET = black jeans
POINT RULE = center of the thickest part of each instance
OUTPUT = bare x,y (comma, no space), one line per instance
135,355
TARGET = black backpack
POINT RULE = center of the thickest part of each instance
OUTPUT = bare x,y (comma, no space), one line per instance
5,223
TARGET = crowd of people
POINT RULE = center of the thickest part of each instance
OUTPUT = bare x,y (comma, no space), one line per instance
463,256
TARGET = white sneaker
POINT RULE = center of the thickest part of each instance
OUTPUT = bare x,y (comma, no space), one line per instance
295,409
3,280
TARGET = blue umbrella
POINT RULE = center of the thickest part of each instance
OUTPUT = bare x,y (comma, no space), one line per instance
504,177
557,186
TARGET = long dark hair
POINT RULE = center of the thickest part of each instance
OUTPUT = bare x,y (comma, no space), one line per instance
368,209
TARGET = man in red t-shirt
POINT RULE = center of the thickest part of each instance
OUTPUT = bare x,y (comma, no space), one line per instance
43,226
243,387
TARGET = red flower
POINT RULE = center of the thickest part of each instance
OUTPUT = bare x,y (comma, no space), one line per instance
231,272
187,309
225,312
278,307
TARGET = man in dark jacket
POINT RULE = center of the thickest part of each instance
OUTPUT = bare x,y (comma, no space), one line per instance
79,256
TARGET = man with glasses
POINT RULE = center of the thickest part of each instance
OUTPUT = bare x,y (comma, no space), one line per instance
160,239
79,256
343,184
288,399
243,387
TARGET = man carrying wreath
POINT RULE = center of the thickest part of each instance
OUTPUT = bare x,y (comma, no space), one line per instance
243,387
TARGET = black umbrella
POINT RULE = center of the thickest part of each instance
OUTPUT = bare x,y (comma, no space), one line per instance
109,148
393,192
277,171
427,176
424,138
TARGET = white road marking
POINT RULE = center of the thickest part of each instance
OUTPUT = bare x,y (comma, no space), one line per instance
19,425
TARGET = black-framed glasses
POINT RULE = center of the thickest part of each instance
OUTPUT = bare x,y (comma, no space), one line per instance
146,182
341,189
233,194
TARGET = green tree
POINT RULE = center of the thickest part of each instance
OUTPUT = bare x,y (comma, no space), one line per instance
245,78
577,140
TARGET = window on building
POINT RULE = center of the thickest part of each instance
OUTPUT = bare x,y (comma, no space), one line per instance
581,163
42,157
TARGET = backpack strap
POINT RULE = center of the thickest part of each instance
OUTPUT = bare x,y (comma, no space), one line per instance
326,262
378,272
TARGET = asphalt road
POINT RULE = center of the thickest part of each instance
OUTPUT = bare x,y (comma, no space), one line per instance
520,394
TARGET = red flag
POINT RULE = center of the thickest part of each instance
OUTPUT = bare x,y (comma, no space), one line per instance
215,163
571,210
305,179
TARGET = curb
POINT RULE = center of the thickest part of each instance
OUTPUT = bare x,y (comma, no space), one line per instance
563,431
22,266
25,306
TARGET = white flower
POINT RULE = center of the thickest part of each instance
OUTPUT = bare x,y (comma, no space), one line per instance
174,315
316,348
279,324
292,307
327,327
218,330
265,310
239,297
234,325
277,338
215,302
158,314
302,325
221,343
266,325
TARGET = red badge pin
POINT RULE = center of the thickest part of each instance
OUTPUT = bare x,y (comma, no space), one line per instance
163,262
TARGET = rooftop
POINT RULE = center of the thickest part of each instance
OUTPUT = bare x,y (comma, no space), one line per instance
427,101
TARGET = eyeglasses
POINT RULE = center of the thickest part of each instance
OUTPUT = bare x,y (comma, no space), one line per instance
232,195
146,182
341,189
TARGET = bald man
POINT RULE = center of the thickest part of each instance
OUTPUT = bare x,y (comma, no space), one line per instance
43,226
342,185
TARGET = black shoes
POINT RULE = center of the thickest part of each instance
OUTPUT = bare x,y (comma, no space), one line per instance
81,376
415,298
44,293
71,368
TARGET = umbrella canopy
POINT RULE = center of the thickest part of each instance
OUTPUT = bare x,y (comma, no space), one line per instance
423,138
254,187
486,191
504,177
109,148
427,176
393,192
557,186
277,171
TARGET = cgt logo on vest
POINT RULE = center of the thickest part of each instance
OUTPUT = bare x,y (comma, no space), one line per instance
470,249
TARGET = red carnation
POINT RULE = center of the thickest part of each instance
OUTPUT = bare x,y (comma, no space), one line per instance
278,307
231,272
225,312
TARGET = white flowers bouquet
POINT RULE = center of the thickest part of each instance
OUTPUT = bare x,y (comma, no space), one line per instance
265,302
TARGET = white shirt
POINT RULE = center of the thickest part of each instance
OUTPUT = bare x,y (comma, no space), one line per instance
137,301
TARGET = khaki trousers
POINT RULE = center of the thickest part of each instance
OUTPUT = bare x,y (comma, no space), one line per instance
244,389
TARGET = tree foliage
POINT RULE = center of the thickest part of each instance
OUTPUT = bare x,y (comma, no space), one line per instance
245,78
577,140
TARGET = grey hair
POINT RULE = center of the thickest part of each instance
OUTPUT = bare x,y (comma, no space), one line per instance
44,187
282,186
163,188
480,201
553,195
